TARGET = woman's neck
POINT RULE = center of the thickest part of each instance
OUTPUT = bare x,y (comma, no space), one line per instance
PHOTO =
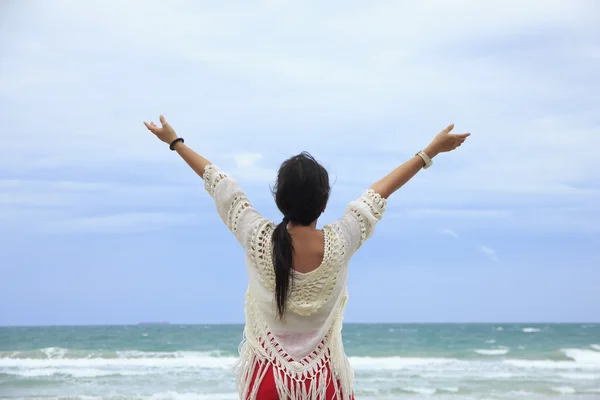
296,227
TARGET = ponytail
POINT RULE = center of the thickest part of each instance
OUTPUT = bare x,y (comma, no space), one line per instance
283,251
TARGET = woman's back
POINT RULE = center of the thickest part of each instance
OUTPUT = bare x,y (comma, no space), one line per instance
309,245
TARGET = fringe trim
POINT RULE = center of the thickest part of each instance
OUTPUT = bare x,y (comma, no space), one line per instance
290,384
290,376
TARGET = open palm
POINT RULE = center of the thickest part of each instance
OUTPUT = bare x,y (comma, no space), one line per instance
165,132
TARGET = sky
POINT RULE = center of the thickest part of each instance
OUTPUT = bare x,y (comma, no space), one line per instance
101,224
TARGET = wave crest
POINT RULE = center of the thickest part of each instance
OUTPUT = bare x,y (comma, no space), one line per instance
564,389
583,356
492,352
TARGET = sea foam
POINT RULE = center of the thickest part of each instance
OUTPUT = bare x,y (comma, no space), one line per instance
387,363
581,359
583,356
146,363
451,389
420,390
124,360
580,376
492,352
171,395
564,389
530,330
74,372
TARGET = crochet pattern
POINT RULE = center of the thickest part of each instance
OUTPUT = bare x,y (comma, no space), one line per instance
309,339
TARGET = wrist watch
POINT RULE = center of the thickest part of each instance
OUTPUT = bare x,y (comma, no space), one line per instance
426,159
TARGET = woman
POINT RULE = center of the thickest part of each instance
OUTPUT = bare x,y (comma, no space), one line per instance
297,274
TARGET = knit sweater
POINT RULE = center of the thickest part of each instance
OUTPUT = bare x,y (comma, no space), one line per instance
307,343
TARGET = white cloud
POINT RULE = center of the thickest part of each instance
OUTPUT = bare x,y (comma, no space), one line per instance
27,193
36,206
491,253
458,213
366,85
248,168
487,250
244,160
120,223
450,232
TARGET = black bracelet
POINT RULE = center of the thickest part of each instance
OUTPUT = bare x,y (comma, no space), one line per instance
174,142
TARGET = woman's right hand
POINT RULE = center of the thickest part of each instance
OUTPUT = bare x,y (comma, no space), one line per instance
165,133
445,141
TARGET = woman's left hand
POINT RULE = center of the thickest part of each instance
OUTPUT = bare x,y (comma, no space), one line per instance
445,141
165,133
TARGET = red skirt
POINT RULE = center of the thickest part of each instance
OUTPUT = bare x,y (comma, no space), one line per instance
268,390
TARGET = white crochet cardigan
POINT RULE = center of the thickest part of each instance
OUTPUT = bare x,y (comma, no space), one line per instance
309,338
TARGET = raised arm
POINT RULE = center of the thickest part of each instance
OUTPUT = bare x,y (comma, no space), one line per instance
358,222
167,134
443,142
233,206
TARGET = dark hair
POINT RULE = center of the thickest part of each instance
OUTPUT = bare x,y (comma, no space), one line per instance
301,193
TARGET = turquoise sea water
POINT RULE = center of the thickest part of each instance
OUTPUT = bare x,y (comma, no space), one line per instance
391,361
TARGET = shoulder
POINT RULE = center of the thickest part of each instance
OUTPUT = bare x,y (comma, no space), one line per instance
261,242
370,202
335,244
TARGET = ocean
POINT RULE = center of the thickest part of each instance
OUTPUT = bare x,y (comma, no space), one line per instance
391,361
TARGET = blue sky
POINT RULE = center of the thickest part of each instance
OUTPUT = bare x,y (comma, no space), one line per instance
100,223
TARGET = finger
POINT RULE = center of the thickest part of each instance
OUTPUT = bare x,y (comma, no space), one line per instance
448,128
462,136
163,121
149,126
